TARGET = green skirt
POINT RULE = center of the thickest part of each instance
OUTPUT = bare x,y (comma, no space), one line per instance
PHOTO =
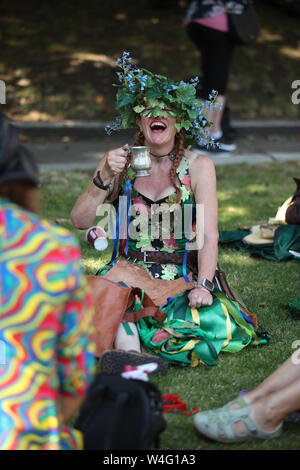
197,336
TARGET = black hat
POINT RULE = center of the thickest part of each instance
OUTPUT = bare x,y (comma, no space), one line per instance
292,215
16,161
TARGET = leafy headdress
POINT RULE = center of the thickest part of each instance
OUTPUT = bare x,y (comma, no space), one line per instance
142,93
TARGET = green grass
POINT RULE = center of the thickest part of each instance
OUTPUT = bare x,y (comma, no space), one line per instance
247,195
58,63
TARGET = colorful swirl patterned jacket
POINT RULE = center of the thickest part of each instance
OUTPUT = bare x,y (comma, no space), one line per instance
45,326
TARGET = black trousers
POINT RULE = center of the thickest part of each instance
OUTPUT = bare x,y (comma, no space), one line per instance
216,54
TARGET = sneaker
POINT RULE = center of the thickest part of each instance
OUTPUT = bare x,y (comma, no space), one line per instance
223,146
114,361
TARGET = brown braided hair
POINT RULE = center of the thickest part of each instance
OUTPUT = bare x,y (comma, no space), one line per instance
140,140
176,162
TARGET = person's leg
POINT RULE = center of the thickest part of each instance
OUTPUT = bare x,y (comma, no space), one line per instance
270,410
286,374
263,418
127,338
216,56
260,413
274,399
128,351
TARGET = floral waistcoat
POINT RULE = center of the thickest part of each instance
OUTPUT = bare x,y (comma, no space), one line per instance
156,235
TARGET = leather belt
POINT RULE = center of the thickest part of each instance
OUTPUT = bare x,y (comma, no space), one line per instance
163,257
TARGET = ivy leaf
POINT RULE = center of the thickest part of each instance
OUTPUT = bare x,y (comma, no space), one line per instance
144,265
167,248
186,125
168,274
131,173
154,92
192,113
145,244
156,112
139,109
182,168
171,199
186,93
185,194
154,103
171,98
146,113
125,99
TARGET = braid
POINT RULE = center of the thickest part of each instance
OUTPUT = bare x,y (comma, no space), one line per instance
139,140
176,162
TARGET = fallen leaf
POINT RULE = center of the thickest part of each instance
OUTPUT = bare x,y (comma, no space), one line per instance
121,16
23,82
99,99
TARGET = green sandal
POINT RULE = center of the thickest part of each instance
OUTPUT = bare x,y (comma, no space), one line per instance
218,424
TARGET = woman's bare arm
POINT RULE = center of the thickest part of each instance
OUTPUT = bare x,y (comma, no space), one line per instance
88,204
203,183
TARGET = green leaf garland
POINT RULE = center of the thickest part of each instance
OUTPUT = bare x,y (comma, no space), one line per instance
142,93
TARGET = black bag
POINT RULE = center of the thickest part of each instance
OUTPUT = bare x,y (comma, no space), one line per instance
121,414
292,214
244,28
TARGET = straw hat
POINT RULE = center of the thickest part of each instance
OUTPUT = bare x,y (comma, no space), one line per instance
261,235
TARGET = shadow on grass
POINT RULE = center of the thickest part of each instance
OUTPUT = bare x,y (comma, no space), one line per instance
58,58
264,286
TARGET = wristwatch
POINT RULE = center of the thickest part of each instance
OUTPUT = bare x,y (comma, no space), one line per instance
206,283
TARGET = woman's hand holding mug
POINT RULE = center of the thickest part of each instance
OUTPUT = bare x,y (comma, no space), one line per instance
115,161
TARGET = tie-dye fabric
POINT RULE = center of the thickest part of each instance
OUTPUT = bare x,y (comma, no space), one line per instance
45,327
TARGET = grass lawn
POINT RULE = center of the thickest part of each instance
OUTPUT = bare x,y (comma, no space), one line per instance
247,195
58,60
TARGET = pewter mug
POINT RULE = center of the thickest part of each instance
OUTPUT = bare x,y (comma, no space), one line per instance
140,160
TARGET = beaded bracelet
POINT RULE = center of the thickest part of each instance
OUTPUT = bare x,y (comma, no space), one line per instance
99,183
